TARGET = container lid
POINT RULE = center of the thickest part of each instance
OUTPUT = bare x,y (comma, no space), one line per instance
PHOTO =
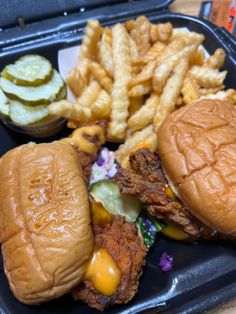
34,10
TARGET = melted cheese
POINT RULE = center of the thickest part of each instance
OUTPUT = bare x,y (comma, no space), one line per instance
103,272
100,216
170,193
79,139
174,232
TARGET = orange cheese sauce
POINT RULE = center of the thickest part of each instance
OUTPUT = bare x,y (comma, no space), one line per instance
103,272
100,216
170,193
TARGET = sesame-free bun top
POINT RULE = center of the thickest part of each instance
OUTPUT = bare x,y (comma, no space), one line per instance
197,147
44,221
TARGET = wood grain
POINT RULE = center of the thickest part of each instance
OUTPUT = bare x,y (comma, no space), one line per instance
192,7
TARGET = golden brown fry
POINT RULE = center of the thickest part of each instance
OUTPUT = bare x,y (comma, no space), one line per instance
89,94
207,91
179,101
135,104
219,95
75,81
105,49
154,52
83,67
101,76
141,34
134,54
92,32
171,49
161,32
163,71
122,77
198,58
133,141
217,60
207,77
141,89
144,116
67,109
190,38
145,75
130,24
149,142
190,90
170,93
231,94
101,108
72,124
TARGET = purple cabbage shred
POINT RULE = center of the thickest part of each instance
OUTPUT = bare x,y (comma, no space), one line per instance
166,262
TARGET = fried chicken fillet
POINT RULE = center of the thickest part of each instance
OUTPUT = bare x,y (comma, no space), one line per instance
121,240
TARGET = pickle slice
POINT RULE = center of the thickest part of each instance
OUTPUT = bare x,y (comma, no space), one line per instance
107,193
38,95
24,115
30,70
4,104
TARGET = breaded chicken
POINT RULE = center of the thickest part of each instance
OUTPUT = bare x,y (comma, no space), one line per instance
121,240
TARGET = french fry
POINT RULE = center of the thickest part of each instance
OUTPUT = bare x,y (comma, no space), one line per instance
170,93
130,24
190,90
89,94
171,49
141,89
92,32
179,101
161,32
122,77
141,34
75,81
219,95
101,76
134,104
207,91
154,52
105,49
207,77
150,142
134,54
217,60
144,116
198,58
83,67
231,94
190,38
101,108
133,141
145,75
74,111
72,124
162,72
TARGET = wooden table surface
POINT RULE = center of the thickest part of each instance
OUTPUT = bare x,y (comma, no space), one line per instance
192,7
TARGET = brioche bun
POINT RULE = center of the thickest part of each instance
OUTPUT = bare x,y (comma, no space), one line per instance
44,221
197,147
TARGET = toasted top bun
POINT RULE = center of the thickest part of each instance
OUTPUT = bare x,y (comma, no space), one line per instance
197,147
44,220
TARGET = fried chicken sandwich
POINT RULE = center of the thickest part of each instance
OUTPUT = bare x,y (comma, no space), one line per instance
190,182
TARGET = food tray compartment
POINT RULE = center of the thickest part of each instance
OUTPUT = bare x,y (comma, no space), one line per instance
204,274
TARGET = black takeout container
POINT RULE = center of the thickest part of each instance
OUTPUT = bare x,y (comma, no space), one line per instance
204,274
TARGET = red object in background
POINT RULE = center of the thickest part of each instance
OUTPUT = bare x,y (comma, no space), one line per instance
223,13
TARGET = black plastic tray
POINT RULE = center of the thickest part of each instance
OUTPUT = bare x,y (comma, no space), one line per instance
204,274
